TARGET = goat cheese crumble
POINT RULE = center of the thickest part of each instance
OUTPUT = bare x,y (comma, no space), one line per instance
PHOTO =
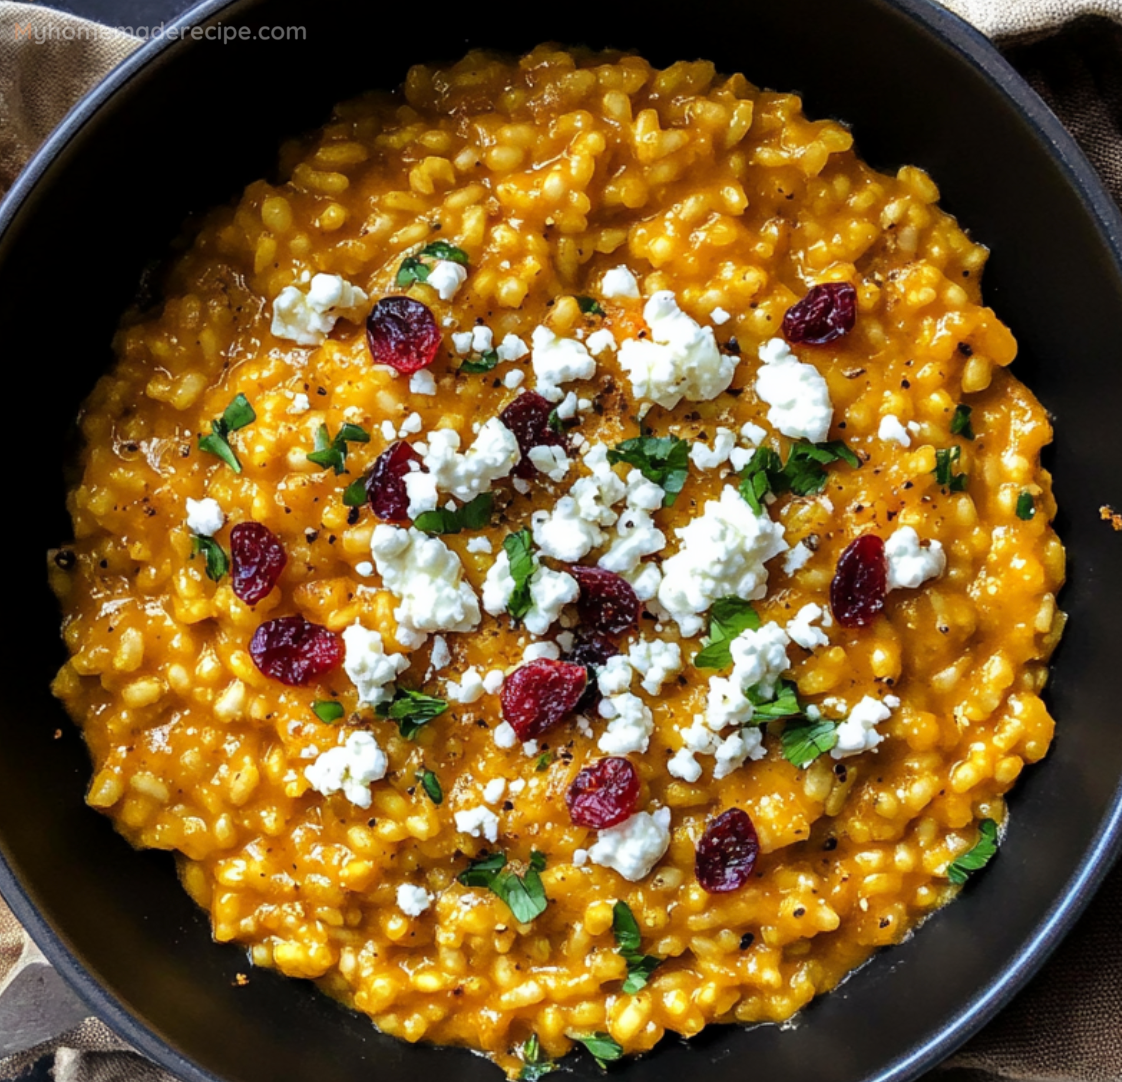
797,393
634,846
349,769
308,318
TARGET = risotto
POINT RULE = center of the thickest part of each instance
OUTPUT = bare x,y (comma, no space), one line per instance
568,563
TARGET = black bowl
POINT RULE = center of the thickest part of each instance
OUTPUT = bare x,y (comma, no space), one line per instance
185,124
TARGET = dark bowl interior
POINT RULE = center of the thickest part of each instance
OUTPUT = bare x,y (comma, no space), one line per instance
186,127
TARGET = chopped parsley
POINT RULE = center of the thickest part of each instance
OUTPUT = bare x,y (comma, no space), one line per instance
543,761
1026,506
958,871
604,1048
328,711
474,515
728,617
555,423
483,363
332,453
355,494
783,702
431,785
640,966
237,414
945,459
519,549
960,422
217,562
804,473
665,460
804,740
589,306
535,1064
411,710
524,894
416,268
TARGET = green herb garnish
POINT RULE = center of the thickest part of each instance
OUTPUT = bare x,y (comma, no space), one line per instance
217,562
804,473
804,741
483,363
524,894
332,453
414,268
728,617
543,761
958,871
1026,506
328,711
603,1047
474,515
783,702
945,459
519,549
640,966
237,414
534,1063
589,306
355,494
960,422
431,785
665,460
554,421
411,710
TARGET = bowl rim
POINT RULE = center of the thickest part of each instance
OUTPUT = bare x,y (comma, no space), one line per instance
973,48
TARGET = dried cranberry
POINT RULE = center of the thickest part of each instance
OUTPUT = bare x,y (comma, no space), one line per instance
607,601
860,582
257,559
591,649
402,333
603,794
528,418
726,853
539,694
385,487
827,312
294,651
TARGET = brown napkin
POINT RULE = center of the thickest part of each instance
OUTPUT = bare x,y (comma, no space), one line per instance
1067,1023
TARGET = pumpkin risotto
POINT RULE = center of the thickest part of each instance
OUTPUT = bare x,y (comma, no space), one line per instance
569,563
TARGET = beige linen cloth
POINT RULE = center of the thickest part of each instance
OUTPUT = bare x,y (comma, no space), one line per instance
1067,1024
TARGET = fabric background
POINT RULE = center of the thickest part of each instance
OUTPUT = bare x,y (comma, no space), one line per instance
1066,1026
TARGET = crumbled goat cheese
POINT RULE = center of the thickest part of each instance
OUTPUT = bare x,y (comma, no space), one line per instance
706,458
478,544
482,338
563,534
517,786
349,769
493,681
619,282
413,901
422,382
802,631
567,410
630,728
891,430
441,656
797,393
656,661
308,318
752,433
428,579
421,489
580,858
614,676
301,403
550,592
411,425
479,822
468,690
493,790
601,340
389,433
679,359
636,536
205,517
371,669
446,278
858,732
909,563
461,342
514,378
491,457
364,568
721,553
645,581
504,735
558,360
719,316
796,558
634,846
552,461
535,650
512,348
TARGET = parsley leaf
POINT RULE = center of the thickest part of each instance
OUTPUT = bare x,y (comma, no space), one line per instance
665,460
960,422
441,249
804,473
958,871
484,363
332,453
328,710
355,494
804,741
945,459
543,762
1026,506
589,306
414,268
728,617
640,966
519,549
763,474
237,414
534,1063
474,515
411,270
603,1047
217,562
554,421
782,703
431,785
411,710
524,894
